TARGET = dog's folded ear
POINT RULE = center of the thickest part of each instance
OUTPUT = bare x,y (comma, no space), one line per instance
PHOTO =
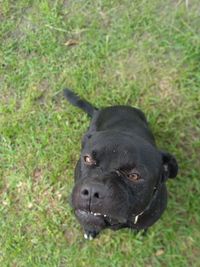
170,165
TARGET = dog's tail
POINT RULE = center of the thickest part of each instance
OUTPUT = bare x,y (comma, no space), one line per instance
78,102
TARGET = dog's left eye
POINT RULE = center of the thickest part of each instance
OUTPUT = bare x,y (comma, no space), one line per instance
133,176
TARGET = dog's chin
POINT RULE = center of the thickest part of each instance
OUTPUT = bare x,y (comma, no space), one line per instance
98,219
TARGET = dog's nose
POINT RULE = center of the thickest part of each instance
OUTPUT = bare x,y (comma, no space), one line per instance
92,192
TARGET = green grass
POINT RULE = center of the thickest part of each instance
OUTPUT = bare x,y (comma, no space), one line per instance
142,53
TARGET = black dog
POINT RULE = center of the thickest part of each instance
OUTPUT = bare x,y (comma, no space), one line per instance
121,174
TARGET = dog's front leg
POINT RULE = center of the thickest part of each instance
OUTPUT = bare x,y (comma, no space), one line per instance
90,234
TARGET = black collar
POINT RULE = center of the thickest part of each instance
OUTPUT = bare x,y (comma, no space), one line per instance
154,196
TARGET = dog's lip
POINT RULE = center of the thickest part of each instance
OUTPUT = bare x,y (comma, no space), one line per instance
107,218
85,212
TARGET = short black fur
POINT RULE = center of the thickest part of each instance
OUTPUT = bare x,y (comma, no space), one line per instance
121,174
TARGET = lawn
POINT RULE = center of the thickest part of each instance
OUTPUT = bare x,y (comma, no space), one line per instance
141,53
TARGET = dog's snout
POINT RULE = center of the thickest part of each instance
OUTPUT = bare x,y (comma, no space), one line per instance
92,192
85,193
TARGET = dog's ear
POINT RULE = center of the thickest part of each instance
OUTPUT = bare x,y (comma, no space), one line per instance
170,165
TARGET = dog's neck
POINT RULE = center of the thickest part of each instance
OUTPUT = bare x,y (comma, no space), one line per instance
153,198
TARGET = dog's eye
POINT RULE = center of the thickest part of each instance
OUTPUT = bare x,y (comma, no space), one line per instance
89,160
133,176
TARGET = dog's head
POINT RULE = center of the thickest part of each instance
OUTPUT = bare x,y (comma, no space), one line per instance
117,177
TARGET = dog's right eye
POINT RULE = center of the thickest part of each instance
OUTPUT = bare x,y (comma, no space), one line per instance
88,160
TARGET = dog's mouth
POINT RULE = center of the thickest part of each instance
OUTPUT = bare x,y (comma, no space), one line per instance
92,213
98,218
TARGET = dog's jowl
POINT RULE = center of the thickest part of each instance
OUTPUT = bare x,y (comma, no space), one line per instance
120,178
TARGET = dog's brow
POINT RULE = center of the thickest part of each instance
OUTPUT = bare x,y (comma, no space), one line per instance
127,166
94,153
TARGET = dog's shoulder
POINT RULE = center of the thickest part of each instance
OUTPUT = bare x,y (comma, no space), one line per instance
121,111
116,116
122,119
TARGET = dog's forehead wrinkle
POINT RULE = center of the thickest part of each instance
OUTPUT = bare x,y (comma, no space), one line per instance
109,138
116,150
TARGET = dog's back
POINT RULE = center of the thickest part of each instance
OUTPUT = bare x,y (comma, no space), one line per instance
119,118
